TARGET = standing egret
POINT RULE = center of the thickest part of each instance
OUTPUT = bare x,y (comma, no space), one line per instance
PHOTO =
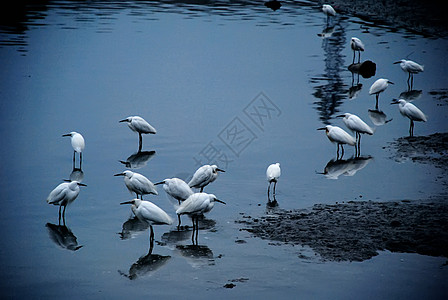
356,45
149,213
410,67
204,175
196,205
329,11
354,123
137,183
339,136
63,195
139,125
410,111
378,87
178,189
273,172
78,145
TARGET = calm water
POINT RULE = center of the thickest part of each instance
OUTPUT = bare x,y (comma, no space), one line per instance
235,84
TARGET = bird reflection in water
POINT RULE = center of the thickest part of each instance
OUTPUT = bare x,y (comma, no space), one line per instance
146,265
346,167
327,32
378,117
182,233
197,256
132,227
138,160
410,95
62,236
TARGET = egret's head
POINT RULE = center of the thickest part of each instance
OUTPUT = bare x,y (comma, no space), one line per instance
326,128
128,120
135,202
400,61
216,169
213,198
398,101
126,173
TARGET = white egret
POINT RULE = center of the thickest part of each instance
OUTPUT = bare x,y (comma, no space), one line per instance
178,189
356,45
339,136
139,125
378,87
204,175
355,124
410,67
78,145
150,213
273,172
64,194
410,111
196,205
138,184
329,11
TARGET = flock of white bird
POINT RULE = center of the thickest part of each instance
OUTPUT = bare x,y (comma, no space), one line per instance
338,135
196,204
189,202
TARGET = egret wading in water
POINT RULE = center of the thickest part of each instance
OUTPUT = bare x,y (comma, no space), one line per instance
273,172
329,11
151,214
195,206
410,67
138,184
178,189
410,111
204,175
63,195
356,45
139,125
355,124
78,145
339,136
378,87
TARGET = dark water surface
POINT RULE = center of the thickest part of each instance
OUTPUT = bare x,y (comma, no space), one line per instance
230,83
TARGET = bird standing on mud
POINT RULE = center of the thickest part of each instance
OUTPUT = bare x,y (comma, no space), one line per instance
273,172
410,67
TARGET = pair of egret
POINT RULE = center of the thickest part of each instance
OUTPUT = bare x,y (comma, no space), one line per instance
339,136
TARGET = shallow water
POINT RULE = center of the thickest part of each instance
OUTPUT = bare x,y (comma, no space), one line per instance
235,84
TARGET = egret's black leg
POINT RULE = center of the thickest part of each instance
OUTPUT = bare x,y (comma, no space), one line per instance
202,188
377,96
275,184
140,142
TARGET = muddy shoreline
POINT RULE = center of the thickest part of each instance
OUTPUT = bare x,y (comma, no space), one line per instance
358,230
422,17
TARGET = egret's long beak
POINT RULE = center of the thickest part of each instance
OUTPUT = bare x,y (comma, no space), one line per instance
390,82
220,170
67,134
82,184
161,182
121,121
119,174
322,128
127,202
340,116
217,200
397,62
